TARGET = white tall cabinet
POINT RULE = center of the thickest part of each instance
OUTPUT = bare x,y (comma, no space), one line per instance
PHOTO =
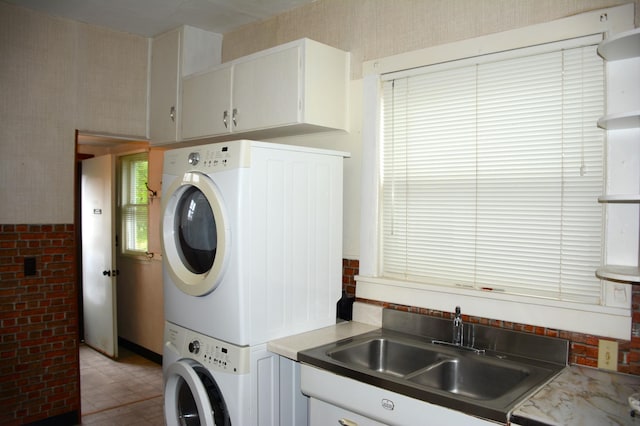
175,54
298,87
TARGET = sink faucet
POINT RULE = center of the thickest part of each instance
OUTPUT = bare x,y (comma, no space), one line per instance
458,335
458,339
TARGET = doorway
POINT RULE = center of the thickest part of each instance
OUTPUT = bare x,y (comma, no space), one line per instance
97,299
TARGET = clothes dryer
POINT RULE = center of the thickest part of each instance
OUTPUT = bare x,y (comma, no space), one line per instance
252,239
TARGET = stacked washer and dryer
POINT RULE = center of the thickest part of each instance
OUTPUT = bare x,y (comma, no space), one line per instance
252,243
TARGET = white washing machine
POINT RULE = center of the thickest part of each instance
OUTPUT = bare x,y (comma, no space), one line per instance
252,239
209,382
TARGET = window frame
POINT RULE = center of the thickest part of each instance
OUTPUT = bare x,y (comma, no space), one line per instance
611,319
123,204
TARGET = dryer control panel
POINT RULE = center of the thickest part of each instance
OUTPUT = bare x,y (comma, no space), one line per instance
212,353
210,158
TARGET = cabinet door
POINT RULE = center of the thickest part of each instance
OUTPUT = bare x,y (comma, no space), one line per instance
206,100
163,109
322,414
266,91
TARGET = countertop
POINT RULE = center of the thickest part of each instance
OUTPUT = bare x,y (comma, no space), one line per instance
577,396
581,396
290,346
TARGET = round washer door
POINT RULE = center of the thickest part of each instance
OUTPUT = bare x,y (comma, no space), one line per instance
192,397
195,234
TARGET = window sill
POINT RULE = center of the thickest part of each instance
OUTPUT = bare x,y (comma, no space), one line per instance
574,317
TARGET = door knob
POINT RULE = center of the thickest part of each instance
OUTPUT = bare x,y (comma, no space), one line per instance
114,272
106,273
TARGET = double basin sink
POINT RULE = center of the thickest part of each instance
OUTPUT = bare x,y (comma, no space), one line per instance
486,383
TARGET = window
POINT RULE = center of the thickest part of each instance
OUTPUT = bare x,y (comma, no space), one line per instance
491,171
576,304
134,203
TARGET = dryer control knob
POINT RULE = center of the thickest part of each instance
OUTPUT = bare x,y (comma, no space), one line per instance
194,347
194,158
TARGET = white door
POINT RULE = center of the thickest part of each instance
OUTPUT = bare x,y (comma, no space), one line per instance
98,254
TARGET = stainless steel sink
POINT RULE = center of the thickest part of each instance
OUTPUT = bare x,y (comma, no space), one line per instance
386,356
474,378
486,383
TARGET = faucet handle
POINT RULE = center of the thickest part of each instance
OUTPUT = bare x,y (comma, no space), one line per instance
458,312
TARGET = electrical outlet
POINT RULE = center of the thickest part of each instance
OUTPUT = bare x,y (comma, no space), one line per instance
608,355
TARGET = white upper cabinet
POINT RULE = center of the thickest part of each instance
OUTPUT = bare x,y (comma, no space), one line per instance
164,88
296,88
266,91
175,54
206,103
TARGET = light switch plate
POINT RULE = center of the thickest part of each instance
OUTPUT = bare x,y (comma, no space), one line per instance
608,355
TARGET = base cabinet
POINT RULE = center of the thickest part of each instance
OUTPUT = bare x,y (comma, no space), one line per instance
323,414
344,399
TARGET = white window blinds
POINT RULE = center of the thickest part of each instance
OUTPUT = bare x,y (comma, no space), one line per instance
491,173
134,203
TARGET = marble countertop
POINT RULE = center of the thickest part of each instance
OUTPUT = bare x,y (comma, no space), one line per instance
581,396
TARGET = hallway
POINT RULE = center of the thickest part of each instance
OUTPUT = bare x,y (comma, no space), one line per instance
123,392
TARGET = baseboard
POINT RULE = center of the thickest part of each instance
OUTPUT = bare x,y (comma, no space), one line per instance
142,351
66,419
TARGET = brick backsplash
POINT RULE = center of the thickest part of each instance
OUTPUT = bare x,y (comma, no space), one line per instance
583,348
39,370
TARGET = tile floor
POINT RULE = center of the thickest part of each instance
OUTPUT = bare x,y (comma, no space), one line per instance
123,392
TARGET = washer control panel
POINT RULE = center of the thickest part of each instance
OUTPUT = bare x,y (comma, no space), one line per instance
213,353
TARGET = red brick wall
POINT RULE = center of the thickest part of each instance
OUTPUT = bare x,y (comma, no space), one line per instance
39,372
583,348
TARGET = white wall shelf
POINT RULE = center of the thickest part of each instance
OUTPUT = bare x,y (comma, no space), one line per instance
629,274
621,46
626,120
620,198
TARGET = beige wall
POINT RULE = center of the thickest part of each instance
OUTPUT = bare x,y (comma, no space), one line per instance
57,76
371,29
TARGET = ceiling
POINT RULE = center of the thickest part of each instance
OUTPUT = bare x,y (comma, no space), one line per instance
151,17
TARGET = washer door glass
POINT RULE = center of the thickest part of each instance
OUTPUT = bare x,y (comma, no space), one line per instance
195,227
192,397
188,409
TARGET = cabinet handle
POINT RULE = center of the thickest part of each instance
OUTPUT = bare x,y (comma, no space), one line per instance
225,115
233,117
347,422
172,113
